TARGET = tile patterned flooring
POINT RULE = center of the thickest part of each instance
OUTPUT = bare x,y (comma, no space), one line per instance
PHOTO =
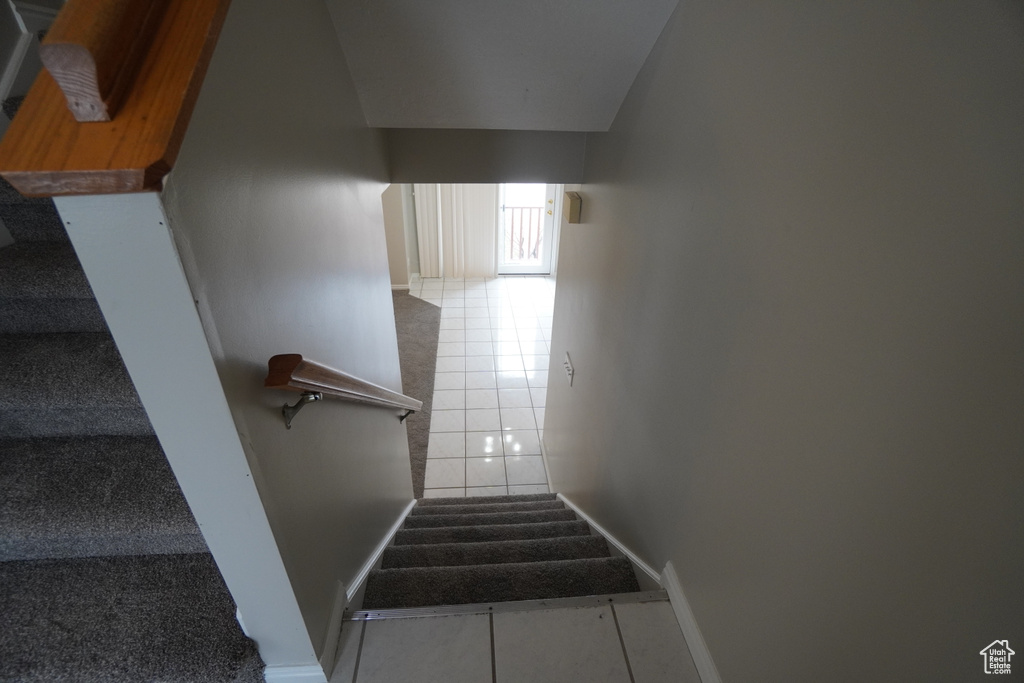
621,643
490,386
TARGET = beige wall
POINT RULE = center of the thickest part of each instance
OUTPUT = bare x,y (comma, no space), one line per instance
275,205
484,156
795,307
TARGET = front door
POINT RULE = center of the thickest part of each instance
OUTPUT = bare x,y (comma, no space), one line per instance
526,225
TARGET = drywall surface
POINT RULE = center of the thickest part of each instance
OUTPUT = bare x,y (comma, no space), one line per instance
275,206
394,230
527,65
795,307
485,156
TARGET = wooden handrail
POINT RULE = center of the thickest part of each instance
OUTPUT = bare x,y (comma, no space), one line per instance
94,50
46,152
292,372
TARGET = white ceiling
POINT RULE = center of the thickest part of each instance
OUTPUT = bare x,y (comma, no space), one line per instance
525,65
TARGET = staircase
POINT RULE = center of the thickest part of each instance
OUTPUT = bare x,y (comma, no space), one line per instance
456,551
104,574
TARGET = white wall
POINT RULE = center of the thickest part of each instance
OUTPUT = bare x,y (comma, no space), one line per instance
394,231
795,307
275,206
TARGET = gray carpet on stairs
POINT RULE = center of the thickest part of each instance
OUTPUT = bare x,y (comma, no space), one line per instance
490,500
43,289
424,509
104,575
485,518
491,532
130,619
74,497
32,222
72,383
454,551
494,552
418,324
431,586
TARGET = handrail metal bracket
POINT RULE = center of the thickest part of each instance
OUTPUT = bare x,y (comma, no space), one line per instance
290,411
407,414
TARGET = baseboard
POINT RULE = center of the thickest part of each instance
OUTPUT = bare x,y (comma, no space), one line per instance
329,651
644,569
691,632
374,561
399,287
544,458
308,673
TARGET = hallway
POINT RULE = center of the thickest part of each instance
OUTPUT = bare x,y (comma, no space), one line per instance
490,386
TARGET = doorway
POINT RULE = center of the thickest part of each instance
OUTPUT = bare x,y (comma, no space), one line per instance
526,223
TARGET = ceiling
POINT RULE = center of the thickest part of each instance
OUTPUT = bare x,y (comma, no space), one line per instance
525,65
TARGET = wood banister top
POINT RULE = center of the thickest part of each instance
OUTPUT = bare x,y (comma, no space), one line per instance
94,50
46,152
292,372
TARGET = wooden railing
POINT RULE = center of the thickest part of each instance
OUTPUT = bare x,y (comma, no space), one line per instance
138,63
290,371
94,51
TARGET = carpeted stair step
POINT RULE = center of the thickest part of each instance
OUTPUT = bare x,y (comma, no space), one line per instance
431,586
20,316
91,496
495,552
489,518
487,500
121,620
494,507
66,384
8,195
30,221
42,269
43,289
490,532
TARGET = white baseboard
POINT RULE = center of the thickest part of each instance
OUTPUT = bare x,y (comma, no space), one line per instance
691,632
544,458
360,579
626,552
308,673
399,287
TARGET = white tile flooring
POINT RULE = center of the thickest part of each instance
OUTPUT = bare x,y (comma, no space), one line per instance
614,643
491,382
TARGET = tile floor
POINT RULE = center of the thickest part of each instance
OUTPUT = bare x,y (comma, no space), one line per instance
624,643
491,382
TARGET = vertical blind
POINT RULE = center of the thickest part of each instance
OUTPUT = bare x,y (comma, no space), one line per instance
457,229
